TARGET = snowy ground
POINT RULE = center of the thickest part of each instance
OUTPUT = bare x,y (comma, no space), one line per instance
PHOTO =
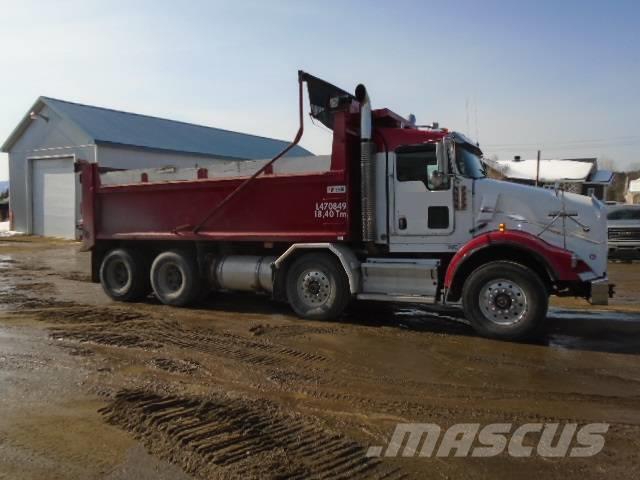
4,230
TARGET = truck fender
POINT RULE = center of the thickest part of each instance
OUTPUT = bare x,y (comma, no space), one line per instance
347,259
557,261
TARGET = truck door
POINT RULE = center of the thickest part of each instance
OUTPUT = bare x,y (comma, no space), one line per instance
422,195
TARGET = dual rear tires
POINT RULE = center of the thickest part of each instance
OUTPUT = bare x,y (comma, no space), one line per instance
127,275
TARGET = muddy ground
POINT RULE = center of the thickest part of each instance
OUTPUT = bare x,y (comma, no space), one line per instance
240,388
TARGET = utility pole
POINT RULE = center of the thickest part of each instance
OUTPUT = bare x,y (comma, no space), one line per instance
538,169
466,107
475,108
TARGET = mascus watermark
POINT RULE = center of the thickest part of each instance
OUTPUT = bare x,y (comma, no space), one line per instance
472,439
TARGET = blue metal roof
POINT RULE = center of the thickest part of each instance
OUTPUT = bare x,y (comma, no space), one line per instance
131,129
601,176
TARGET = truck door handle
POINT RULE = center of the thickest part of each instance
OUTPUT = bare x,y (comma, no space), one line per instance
402,223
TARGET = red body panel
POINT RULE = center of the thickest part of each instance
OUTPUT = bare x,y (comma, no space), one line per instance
557,259
392,138
291,207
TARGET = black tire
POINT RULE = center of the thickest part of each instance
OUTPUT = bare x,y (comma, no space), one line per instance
175,278
124,275
505,300
317,287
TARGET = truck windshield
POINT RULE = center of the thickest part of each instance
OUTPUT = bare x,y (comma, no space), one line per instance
469,163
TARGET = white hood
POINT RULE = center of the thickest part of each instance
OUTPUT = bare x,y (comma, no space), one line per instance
532,210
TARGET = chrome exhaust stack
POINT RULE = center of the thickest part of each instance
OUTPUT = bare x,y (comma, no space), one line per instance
367,167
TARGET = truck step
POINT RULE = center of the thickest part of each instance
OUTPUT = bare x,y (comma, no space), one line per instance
381,297
399,278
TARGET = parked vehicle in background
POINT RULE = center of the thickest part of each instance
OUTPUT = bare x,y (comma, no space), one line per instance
623,223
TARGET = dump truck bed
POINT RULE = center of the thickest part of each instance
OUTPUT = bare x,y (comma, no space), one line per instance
288,207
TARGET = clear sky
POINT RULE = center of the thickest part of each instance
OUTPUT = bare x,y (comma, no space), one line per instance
560,76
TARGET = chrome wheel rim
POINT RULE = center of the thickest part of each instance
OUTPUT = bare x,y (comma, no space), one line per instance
503,302
314,288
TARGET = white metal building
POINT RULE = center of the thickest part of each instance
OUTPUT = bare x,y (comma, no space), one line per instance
55,134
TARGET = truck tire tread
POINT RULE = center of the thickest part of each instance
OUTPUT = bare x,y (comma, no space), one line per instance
533,288
333,280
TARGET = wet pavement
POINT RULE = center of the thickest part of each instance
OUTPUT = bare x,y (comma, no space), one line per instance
239,388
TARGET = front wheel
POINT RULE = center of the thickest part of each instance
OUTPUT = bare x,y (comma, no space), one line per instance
505,300
317,287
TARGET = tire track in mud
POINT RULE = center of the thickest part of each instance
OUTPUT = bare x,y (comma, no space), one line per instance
296,330
117,327
114,327
14,301
81,314
237,347
126,329
111,338
235,438
174,365
287,369
412,406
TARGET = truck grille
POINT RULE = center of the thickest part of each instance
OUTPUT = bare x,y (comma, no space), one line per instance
630,234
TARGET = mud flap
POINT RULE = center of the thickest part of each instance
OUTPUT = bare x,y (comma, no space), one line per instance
600,291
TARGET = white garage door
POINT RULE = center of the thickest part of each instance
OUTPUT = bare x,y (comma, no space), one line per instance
54,204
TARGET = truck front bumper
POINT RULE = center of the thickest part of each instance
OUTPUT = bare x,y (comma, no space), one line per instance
601,290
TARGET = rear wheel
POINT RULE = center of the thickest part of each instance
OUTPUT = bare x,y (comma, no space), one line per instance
175,278
124,275
505,300
317,287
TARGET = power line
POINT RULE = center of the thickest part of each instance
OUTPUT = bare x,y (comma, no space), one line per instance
561,147
585,141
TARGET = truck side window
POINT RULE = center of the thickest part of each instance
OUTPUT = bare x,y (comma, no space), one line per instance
419,166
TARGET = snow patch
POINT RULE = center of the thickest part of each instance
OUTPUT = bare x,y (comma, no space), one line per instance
634,186
4,230
550,170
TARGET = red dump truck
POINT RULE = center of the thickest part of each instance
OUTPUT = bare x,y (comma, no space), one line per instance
401,213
